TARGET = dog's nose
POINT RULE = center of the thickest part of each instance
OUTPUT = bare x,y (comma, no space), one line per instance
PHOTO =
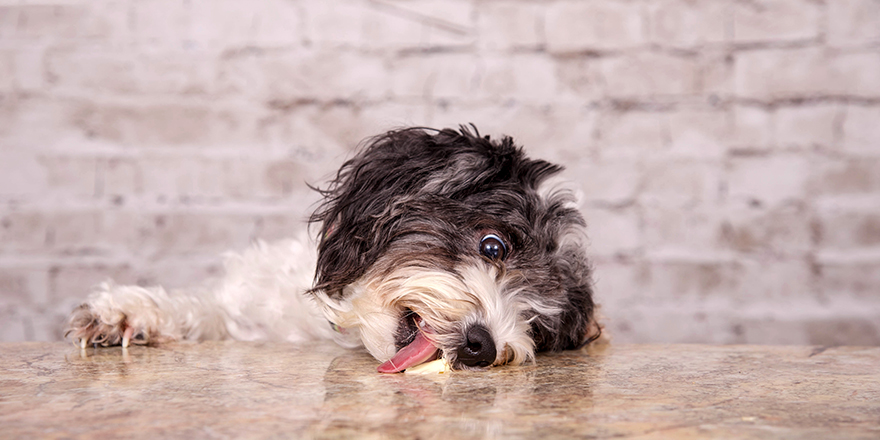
479,349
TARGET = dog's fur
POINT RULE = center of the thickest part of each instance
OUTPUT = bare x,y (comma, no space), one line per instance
424,232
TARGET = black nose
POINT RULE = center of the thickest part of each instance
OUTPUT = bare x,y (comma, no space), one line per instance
479,349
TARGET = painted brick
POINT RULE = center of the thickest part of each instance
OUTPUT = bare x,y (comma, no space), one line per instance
840,229
841,177
807,126
436,76
782,231
164,124
861,132
594,26
505,26
645,74
687,24
776,20
581,77
752,128
287,75
802,73
613,231
696,133
22,286
123,72
680,182
682,231
633,134
225,23
605,181
527,78
853,22
768,180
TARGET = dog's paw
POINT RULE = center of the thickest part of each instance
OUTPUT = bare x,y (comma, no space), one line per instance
119,315
87,327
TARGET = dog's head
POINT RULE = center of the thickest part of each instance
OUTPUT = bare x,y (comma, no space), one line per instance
445,243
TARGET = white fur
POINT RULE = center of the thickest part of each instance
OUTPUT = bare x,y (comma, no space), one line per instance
261,296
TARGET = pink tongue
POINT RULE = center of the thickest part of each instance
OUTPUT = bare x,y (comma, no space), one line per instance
419,350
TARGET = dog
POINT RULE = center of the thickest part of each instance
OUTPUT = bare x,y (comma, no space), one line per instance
431,244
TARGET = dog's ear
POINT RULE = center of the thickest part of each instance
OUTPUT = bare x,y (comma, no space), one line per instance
576,326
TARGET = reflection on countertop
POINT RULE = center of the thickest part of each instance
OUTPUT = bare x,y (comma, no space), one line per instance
238,389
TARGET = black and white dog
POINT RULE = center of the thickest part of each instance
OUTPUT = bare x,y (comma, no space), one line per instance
433,243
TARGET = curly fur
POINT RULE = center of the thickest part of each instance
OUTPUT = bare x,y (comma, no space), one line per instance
400,232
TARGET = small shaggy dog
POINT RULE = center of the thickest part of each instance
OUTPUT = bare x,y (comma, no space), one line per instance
433,243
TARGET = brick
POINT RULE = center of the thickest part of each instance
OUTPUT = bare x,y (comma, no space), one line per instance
687,24
194,233
7,70
604,181
581,76
21,174
70,176
161,23
801,73
776,20
768,180
506,26
645,74
680,182
225,23
781,231
847,330
568,127
691,230
753,128
633,134
842,177
23,231
424,24
853,22
529,78
164,72
63,22
22,286
696,133
692,281
848,229
594,26
861,133
807,126
435,76
715,74
613,231
334,24
164,124
71,283
12,329
289,75
848,279
768,280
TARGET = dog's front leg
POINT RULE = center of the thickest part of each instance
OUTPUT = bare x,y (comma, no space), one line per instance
120,315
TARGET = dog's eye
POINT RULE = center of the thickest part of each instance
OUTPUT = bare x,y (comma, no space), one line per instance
493,247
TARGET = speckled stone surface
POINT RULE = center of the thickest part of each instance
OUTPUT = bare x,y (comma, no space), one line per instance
262,390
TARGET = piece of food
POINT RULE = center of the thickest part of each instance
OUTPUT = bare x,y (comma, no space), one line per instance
439,366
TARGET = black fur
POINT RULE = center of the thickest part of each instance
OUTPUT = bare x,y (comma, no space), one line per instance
427,196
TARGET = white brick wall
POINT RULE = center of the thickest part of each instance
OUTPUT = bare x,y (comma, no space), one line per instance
728,151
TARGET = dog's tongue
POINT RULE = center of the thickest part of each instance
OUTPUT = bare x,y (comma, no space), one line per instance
418,351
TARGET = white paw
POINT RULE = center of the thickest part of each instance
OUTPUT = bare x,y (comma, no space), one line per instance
116,315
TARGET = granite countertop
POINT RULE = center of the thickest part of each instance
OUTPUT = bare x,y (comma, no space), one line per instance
238,389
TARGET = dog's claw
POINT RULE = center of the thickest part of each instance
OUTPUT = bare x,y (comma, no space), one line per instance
126,336
82,343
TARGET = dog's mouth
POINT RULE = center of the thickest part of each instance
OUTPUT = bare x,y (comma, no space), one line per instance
416,346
